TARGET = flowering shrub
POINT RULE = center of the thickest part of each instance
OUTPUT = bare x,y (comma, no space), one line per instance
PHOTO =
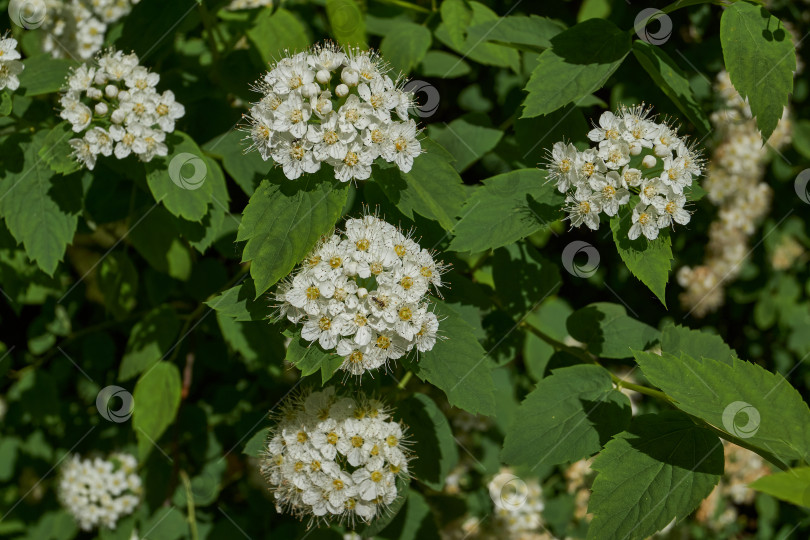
451,269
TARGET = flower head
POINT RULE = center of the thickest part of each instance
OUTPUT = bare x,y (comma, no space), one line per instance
118,110
364,293
99,492
334,107
335,458
10,65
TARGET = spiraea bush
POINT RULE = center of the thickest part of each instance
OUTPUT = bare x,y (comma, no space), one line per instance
399,269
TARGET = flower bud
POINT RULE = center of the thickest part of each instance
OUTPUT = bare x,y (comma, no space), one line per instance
661,150
342,90
323,76
350,76
111,91
118,116
649,161
101,109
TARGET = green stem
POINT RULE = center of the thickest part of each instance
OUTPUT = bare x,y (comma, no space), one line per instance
406,5
647,391
192,519
559,345
405,380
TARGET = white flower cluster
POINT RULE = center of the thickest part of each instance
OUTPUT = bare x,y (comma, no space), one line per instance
237,5
99,492
634,154
518,505
10,65
333,457
116,107
77,28
329,106
363,293
735,184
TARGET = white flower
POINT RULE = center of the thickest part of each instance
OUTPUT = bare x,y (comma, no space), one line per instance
610,192
583,207
334,457
99,492
125,91
347,125
367,328
562,165
670,210
645,221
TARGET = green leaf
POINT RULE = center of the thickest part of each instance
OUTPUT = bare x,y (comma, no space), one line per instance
792,486
649,260
283,221
507,208
458,365
155,235
672,81
523,278
760,58
308,355
56,150
347,22
695,343
274,32
608,332
456,17
577,65
118,281
444,65
569,415
405,46
149,341
453,33
180,180
44,75
257,443
246,168
241,303
201,235
156,400
531,33
255,341
5,103
432,188
40,209
166,524
758,407
656,471
432,439
467,139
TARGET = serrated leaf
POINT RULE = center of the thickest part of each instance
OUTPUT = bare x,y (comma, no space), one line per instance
569,415
247,168
44,75
656,471
743,399
760,59
444,65
458,365
524,278
155,235
432,440
432,188
347,22
609,332
257,443
56,149
156,399
308,355
695,343
241,303
40,210
405,46
507,208
180,180
575,66
273,32
531,33
467,138
669,77
283,221
649,260
456,16
792,486
201,235
149,341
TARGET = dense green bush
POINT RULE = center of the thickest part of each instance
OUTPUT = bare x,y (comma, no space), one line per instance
642,371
